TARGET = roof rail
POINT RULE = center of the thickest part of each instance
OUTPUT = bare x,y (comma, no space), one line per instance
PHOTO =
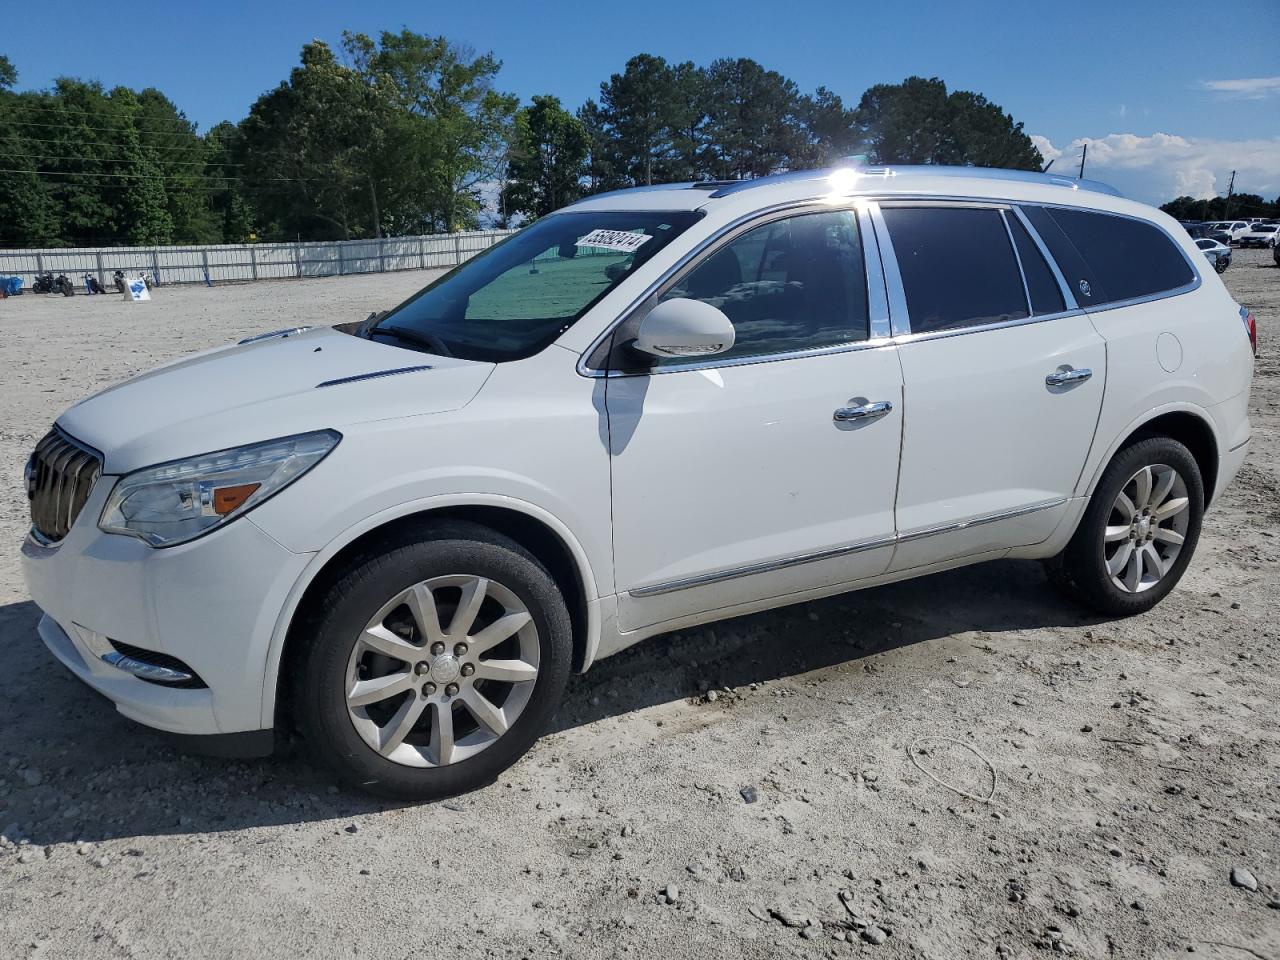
921,170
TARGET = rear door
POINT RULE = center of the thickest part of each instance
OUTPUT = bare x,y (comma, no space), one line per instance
1003,378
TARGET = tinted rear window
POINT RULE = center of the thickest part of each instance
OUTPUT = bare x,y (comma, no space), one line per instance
957,266
1107,258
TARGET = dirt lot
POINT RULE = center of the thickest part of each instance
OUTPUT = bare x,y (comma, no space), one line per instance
1137,762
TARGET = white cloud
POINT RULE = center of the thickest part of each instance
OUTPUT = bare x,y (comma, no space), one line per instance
1253,88
1163,166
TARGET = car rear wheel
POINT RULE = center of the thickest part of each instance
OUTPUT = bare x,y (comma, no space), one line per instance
434,664
1139,531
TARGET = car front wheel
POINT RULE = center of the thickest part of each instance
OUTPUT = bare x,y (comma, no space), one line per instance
1139,531
434,663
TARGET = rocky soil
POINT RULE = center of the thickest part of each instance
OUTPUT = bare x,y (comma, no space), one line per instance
763,787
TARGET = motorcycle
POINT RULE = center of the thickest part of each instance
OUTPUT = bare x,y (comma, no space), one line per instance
64,286
43,283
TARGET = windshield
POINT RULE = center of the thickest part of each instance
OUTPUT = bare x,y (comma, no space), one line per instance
1263,228
517,297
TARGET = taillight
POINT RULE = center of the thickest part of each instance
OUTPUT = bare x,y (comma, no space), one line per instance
1251,326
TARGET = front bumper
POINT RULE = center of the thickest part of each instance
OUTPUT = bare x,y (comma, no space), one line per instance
213,603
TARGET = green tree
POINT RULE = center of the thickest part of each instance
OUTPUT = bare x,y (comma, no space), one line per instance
447,128
638,110
831,128
8,74
548,159
306,148
917,121
754,121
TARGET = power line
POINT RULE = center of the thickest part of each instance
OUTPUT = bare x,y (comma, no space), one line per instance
171,163
145,176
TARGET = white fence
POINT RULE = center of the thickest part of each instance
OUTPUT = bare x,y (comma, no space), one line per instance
257,261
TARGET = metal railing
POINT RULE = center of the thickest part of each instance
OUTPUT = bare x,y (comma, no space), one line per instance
254,261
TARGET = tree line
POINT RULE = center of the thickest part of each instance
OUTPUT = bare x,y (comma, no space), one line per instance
409,134
1222,208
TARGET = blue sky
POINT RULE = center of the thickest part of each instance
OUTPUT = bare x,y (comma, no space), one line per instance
1166,105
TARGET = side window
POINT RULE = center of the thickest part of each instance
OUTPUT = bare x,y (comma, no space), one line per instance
958,268
788,285
1128,258
1041,285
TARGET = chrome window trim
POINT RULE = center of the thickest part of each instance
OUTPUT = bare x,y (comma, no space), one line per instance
1068,297
860,546
986,327
723,235
879,317
1022,271
899,316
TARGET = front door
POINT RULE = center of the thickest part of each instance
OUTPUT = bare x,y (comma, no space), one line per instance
735,480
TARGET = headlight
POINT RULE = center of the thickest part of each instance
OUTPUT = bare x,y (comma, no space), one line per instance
178,501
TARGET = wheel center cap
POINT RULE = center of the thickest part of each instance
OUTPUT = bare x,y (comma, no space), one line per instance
1144,527
445,668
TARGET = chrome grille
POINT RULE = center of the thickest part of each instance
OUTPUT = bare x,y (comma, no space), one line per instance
60,475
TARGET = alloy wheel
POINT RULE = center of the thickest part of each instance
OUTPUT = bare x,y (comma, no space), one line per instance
442,670
1146,528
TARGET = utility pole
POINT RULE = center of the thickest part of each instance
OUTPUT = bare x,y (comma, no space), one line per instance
1231,186
1083,153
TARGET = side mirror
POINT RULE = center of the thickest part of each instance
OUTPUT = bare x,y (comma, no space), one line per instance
684,328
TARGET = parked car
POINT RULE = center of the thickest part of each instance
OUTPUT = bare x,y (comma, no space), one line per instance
1275,254
1235,229
1259,235
1218,254
401,536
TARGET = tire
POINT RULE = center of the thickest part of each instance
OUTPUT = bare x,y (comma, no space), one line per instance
1084,570
449,747
1221,265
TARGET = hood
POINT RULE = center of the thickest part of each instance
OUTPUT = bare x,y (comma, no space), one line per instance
266,388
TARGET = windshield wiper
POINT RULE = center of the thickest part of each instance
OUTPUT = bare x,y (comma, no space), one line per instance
428,340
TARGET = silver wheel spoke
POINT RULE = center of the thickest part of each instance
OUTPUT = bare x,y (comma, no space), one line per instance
382,640
1121,558
473,595
499,630
1116,534
510,671
422,604
1142,495
1125,506
442,733
1133,571
486,714
1152,561
1171,508
398,727
1164,484
1169,536
365,692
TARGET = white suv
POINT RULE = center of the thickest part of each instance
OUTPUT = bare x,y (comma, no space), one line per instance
656,408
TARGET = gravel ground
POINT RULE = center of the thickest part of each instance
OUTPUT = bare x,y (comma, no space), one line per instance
1136,763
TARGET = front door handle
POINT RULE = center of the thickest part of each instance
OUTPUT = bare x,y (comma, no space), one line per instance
867,411
1065,375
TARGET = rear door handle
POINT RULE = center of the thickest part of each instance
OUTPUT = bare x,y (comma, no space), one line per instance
1065,375
867,411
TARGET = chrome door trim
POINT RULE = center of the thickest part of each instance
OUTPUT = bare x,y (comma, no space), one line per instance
898,316
1022,271
921,533
1068,297
877,289
768,566
982,328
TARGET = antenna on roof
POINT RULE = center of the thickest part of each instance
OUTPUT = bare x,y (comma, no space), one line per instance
1045,168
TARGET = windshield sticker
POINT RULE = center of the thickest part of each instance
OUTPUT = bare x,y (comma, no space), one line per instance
614,240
